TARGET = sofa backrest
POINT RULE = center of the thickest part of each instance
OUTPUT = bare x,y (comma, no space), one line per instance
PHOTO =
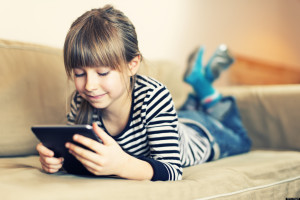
270,114
32,91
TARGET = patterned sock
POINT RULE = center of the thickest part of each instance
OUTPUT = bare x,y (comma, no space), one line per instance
195,76
211,100
221,60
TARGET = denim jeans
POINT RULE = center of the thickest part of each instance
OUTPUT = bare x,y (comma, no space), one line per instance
225,131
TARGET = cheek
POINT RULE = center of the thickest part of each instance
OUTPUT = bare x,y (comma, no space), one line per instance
115,85
79,84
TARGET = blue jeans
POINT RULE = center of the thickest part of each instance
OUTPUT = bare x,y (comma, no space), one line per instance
225,131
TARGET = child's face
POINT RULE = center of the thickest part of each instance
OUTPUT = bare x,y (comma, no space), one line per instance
102,87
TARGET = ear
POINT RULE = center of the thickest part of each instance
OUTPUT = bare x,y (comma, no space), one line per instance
134,65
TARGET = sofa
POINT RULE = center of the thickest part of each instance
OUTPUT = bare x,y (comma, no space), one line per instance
34,90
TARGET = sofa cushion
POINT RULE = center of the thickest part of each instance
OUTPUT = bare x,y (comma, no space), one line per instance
255,175
33,91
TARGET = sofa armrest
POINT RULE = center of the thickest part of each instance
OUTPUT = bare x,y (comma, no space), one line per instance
270,114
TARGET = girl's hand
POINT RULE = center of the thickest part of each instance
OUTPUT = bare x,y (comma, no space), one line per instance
107,159
49,163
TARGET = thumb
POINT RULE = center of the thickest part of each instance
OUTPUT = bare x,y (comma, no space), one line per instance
106,139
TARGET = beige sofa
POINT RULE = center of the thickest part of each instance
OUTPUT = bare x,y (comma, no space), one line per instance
34,89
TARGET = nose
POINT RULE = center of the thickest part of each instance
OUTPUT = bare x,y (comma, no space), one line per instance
91,83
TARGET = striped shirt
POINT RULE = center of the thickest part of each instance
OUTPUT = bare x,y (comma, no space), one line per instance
153,133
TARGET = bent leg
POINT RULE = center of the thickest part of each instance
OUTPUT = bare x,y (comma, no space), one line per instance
227,134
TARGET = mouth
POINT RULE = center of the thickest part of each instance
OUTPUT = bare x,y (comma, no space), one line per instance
95,97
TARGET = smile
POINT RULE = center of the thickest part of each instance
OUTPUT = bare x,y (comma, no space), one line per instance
95,97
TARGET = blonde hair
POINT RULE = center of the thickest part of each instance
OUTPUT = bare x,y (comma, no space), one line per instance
100,37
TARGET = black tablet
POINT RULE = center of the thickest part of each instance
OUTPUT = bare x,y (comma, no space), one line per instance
55,137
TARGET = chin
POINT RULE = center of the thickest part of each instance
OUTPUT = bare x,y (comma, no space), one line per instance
99,105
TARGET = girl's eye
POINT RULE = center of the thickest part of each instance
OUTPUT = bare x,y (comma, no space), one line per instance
103,74
79,75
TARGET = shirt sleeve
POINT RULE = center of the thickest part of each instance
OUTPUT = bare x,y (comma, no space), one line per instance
162,131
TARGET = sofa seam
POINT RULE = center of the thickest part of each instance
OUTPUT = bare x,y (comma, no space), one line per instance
251,189
31,48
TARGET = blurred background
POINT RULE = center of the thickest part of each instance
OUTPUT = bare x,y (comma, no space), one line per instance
263,35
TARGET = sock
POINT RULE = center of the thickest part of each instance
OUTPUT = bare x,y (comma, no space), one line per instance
203,88
211,100
221,60
195,63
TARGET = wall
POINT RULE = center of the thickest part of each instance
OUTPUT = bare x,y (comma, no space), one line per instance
267,30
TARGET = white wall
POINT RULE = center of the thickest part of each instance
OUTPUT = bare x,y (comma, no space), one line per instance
267,29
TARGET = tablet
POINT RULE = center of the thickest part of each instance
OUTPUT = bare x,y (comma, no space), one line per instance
55,137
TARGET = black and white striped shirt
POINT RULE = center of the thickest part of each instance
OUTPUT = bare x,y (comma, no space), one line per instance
153,133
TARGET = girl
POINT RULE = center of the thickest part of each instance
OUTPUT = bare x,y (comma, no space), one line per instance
134,115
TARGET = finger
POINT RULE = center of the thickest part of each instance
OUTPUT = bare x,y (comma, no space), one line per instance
93,163
106,139
51,160
51,168
89,143
44,151
85,160
46,166
85,153
94,171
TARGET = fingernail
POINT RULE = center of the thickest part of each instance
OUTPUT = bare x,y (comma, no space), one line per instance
75,137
